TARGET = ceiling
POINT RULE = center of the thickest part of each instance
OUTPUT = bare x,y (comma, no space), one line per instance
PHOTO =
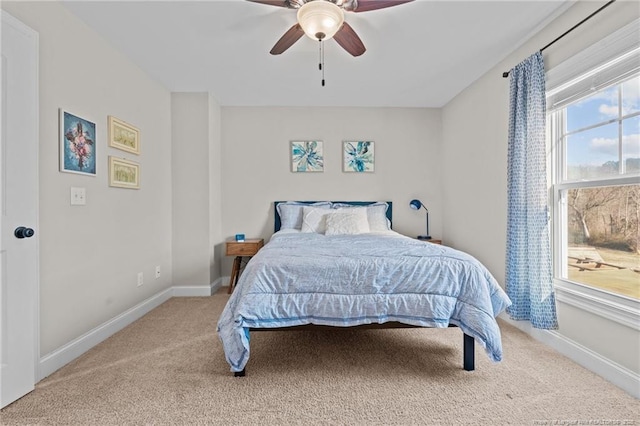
419,54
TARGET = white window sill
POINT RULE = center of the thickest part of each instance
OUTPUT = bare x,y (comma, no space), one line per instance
623,310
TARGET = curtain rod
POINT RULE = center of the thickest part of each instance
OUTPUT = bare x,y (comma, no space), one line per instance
506,73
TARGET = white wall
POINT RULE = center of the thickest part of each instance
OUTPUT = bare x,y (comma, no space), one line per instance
190,188
257,171
216,238
90,255
474,169
195,166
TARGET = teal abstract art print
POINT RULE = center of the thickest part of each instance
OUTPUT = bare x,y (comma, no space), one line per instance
358,156
307,156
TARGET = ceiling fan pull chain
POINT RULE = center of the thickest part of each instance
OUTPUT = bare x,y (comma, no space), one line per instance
321,65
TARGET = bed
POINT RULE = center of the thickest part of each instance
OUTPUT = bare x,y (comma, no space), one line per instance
340,264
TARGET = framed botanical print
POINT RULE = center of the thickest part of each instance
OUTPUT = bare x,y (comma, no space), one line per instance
124,173
123,136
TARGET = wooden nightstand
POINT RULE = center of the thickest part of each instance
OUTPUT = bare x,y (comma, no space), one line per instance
247,248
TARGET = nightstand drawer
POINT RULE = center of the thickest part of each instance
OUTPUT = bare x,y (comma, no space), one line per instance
246,248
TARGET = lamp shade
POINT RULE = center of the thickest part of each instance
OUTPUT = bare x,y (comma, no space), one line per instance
320,19
415,204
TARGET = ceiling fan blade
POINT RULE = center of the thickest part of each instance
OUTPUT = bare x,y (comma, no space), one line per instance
280,3
349,40
367,5
286,41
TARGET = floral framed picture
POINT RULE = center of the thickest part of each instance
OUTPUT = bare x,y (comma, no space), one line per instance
358,156
124,173
77,144
123,136
306,156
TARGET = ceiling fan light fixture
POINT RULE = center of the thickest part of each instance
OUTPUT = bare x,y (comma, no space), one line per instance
320,19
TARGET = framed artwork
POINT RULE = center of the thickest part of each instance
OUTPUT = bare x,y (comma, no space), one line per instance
306,156
123,136
124,173
77,144
358,156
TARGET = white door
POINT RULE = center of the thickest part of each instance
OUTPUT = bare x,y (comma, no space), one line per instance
18,208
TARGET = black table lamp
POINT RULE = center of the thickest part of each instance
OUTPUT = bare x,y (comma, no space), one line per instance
416,204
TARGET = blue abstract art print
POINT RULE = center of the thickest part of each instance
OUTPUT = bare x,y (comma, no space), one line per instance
77,144
358,156
307,156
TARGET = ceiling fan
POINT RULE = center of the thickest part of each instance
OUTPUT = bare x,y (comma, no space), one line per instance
323,19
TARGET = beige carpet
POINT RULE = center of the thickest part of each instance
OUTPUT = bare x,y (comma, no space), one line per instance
169,368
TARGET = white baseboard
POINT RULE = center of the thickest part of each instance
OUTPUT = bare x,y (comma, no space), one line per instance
622,377
217,284
72,350
196,291
67,353
192,290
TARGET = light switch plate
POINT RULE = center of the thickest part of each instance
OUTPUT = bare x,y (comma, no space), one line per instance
78,196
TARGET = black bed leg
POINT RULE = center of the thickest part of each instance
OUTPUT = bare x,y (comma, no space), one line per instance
468,353
239,373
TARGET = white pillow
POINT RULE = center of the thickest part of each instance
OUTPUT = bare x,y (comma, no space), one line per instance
376,214
377,217
313,219
291,213
347,222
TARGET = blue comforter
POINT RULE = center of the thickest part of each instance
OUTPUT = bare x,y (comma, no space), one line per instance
347,280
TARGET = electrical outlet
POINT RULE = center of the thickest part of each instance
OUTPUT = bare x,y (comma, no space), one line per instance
140,279
157,272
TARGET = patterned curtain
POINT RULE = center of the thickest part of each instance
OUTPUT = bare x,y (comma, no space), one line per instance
529,276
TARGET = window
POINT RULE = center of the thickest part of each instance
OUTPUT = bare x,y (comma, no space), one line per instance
595,140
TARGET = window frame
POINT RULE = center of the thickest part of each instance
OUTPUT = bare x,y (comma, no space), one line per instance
616,307
559,186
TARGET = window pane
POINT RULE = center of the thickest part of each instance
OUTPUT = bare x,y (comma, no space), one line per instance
597,108
631,144
631,96
593,153
603,238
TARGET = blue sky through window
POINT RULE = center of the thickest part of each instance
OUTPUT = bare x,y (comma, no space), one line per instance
601,144
593,147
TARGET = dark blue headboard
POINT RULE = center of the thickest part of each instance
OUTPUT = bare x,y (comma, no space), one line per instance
277,224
